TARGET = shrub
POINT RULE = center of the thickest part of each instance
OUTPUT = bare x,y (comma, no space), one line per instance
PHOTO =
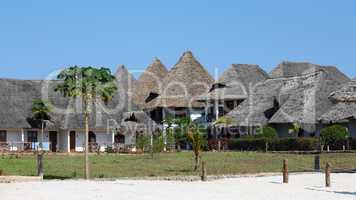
267,132
248,144
334,136
295,144
158,143
143,142
284,144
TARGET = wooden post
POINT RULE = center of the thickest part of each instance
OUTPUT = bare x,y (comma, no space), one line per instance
219,145
328,148
285,171
317,162
327,175
40,163
203,171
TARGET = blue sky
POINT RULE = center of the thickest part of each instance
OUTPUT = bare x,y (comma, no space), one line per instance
39,37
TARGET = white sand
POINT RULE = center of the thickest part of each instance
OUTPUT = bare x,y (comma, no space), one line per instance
301,187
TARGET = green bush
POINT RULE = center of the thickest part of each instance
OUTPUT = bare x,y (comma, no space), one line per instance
267,132
248,144
158,143
295,144
143,142
284,144
334,136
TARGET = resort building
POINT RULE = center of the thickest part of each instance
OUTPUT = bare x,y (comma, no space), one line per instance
309,95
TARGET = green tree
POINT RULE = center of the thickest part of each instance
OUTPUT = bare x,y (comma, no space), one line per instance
333,135
87,83
267,132
40,111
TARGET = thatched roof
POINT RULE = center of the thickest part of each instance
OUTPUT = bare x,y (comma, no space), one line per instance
137,122
15,102
346,94
291,69
184,83
149,81
16,97
300,99
341,111
262,99
345,107
236,82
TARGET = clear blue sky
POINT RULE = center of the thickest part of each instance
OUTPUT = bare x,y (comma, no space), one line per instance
38,37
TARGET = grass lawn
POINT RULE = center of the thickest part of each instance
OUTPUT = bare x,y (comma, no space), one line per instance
168,164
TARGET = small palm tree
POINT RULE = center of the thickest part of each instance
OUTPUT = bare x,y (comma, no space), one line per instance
87,83
197,141
40,110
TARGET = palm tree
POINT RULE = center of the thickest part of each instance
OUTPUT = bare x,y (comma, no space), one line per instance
193,133
197,141
87,83
40,110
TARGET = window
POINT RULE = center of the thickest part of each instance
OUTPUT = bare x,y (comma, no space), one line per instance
3,136
32,136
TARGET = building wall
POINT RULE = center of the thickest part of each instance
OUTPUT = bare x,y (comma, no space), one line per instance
283,130
352,127
63,141
102,138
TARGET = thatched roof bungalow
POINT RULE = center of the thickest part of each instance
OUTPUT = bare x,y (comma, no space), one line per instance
298,95
17,125
186,81
345,109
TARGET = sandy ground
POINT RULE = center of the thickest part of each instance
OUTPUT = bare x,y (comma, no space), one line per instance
301,187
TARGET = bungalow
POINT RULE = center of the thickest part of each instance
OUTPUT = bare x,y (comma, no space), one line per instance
64,133
306,94
177,96
296,93
344,110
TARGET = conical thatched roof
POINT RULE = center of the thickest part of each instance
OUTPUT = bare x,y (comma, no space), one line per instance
126,84
184,83
236,82
345,107
299,99
149,81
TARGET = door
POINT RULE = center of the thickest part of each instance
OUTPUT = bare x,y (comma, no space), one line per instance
72,141
53,140
31,140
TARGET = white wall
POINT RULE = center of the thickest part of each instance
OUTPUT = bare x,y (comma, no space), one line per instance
102,138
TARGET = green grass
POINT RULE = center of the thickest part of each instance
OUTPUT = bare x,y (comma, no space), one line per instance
168,164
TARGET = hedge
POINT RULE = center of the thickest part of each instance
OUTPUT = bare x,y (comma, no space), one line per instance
284,144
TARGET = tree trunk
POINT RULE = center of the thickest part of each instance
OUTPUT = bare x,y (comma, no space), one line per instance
42,130
86,146
197,161
40,163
